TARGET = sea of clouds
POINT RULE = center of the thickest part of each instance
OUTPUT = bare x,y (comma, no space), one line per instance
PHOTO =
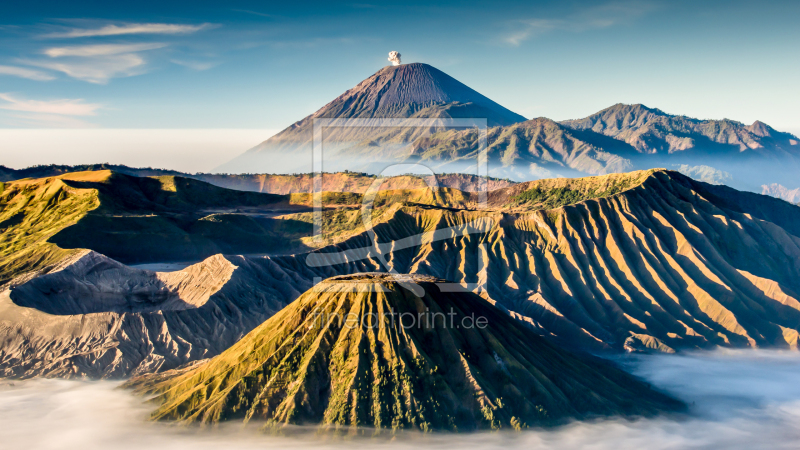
738,399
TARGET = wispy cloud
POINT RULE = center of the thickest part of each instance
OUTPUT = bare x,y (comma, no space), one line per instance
310,43
62,107
196,65
131,28
254,13
97,63
592,18
25,73
26,120
100,50
62,113
97,69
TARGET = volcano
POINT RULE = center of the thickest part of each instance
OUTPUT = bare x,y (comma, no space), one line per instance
408,91
365,350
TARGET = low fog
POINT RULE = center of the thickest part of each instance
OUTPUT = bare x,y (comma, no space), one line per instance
741,399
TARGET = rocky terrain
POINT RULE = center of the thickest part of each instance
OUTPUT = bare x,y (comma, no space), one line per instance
94,317
346,353
644,261
650,130
751,155
272,183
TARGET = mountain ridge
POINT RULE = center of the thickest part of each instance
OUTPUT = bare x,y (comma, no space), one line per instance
645,261
306,365
651,130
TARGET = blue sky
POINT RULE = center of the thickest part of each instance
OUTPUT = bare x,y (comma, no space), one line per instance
264,65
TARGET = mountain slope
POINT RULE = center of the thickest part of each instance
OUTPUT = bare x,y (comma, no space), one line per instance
651,259
752,155
347,353
651,130
269,183
537,148
402,91
648,260
131,219
406,91
92,317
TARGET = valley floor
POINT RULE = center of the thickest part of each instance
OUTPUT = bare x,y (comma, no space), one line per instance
739,399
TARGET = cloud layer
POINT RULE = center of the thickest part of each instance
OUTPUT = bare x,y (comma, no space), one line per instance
67,107
128,29
99,62
743,400
60,113
100,50
23,72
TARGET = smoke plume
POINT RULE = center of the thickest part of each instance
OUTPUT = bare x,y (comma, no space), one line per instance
394,58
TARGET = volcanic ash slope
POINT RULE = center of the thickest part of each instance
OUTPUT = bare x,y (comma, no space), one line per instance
364,350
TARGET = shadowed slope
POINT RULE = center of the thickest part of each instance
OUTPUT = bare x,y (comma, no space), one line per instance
639,261
749,155
651,130
92,317
128,218
348,353
650,260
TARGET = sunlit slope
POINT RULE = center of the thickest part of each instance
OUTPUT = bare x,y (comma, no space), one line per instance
556,192
128,218
31,212
666,263
646,260
340,355
68,311
167,218
269,183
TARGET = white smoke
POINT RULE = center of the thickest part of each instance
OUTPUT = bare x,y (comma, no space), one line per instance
394,58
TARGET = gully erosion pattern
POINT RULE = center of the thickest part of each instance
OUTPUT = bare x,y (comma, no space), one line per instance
646,260
298,369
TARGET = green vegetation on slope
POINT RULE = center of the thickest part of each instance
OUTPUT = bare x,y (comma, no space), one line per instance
555,193
168,218
347,353
127,218
30,214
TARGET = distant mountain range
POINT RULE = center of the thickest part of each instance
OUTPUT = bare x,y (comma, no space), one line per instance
779,191
616,139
